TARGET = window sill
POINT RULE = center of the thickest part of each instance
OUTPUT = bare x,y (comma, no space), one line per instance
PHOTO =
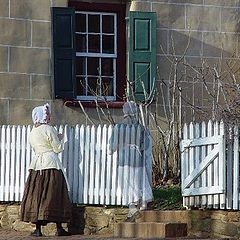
93,104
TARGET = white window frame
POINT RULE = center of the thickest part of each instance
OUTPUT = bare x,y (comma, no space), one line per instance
100,55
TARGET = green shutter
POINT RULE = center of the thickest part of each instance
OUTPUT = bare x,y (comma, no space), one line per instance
63,20
142,55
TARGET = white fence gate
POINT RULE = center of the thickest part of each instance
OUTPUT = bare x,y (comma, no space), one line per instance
93,173
210,166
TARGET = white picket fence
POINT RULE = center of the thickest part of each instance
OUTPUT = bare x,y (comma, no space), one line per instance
210,166
93,174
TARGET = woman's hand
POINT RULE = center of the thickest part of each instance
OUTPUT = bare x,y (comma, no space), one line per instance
60,136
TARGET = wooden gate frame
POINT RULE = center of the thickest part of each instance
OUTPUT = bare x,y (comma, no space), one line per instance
203,180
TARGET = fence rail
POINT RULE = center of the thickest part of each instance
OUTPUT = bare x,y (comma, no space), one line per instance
93,174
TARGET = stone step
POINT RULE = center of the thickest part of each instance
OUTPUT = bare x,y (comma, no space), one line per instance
150,230
180,216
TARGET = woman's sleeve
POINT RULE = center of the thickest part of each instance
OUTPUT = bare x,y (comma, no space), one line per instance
112,145
54,140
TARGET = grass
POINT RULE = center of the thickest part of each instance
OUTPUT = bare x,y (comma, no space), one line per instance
167,198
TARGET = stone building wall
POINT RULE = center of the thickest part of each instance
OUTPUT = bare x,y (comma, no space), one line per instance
26,73
212,28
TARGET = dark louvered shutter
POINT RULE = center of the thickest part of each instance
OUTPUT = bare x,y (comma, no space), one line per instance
64,52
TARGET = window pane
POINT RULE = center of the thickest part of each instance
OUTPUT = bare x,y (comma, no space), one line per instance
80,66
108,44
94,23
107,24
93,66
107,87
93,87
80,22
107,67
94,43
81,86
81,43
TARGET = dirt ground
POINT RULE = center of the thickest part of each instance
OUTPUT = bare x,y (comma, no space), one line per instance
13,235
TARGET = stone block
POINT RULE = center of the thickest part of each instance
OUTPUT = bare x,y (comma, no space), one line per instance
150,230
186,1
127,230
41,87
59,113
13,210
187,92
230,19
30,9
148,216
4,8
173,230
207,100
232,3
219,44
41,34
20,111
164,68
232,66
218,227
185,42
140,6
203,18
29,60
233,216
59,3
162,41
4,221
4,117
206,65
14,85
173,216
49,230
3,59
170,15
15,32
23,226
162,96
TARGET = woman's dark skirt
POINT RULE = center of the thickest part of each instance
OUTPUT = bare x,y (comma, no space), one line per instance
46,197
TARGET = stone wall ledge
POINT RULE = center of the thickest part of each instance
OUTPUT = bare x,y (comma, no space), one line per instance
101,220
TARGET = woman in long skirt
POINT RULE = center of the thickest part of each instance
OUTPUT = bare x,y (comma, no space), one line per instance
45,196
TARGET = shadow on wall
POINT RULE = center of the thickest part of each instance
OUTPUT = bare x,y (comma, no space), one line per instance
194,51
236,17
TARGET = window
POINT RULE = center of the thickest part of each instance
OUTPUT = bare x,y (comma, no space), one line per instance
89,48
96,54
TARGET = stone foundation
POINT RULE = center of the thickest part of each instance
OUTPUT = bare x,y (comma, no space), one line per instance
85,220
101,220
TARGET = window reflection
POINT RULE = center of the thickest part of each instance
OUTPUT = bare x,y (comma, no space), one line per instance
108,44
107,66
81,90
93,66
80,66
81,43
93,23
93,43
80,22
107,24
